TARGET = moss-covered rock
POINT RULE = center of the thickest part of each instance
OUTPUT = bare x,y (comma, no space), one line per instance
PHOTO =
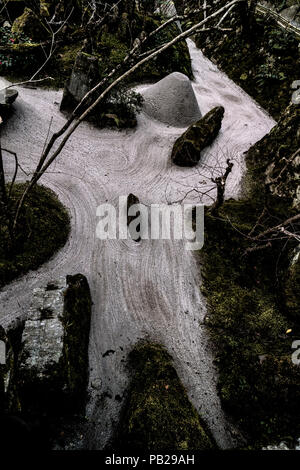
188,147
43,383
158,414
76,321
30,25
118,109
52,370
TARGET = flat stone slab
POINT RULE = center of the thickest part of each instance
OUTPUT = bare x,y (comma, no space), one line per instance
43,332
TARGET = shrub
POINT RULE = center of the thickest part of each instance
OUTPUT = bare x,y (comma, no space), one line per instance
17,51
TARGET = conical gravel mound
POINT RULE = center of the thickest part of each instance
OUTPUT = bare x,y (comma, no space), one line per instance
172,101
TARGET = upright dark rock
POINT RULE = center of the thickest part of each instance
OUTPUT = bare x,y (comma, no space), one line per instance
188,147
131,201
76,321
85,75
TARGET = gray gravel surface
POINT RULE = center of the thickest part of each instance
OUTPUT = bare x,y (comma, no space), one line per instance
140,290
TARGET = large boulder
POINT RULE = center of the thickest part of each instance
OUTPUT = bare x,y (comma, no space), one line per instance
172,101
44,378
188,147
85,75
53,361
131,201
118,109
40,362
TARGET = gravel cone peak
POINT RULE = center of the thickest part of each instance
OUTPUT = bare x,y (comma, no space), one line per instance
172,101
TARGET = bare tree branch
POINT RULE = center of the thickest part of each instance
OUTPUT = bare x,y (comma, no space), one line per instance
72,124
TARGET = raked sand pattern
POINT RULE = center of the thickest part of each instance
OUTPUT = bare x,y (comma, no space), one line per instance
140,290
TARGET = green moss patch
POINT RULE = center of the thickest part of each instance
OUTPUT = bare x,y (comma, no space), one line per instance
264,63
31,25
253,295
174,59
258,383
111,46
43,228
157,414
270,157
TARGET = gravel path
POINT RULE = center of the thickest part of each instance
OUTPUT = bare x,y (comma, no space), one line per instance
148,289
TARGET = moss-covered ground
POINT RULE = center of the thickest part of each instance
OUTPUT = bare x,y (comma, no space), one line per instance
157,414
110,44
42,229
253,296
258,384
264,63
